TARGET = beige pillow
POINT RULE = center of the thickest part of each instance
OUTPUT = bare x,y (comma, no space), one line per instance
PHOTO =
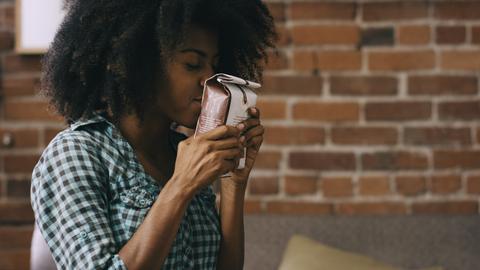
303,253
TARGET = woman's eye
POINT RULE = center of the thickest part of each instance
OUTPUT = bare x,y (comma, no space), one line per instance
192,66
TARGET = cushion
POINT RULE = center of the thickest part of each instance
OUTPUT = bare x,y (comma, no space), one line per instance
303,253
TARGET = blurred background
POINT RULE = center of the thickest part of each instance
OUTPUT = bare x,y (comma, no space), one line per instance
371,109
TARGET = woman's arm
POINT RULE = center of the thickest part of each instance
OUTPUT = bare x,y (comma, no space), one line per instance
233,196
231,254
149,246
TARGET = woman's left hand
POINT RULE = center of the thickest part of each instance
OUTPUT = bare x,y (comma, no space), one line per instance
252,140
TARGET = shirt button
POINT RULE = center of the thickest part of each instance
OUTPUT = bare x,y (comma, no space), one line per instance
83,234
142,202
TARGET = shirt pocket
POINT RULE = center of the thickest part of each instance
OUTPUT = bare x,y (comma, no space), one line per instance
137,197
136,201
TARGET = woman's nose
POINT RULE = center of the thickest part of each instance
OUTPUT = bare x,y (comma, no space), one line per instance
209,73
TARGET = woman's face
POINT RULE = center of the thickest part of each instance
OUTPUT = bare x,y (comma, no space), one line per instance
180,91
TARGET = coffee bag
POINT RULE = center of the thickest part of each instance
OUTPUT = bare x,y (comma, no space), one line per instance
225,101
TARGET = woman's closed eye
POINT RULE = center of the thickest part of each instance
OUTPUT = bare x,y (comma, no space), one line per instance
193,67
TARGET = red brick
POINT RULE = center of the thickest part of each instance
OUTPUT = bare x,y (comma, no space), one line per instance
29,111
399,160
6,40
15,237
322,11
446,207
442,85
284,37
336,186
277,10
377,36
451,34
20,86
437,136
364,135
374,185
21,138
371,208
299,208
268,160
271,109
398,111
462,159
323,161
459,110
263,185
292,85
478,135
20,163
18,63
460,60
277,61
339,60
459,10
16,212
363,86
299,184
325,34
414,34
305,60
390,11
323,111
294,135
473,184
3,183
18,188
49,134
7,16
15,259
410,185
476,34
252,206
444,184
401,60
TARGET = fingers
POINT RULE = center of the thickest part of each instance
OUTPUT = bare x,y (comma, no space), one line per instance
230,154
232,142
255,131
254,112
249,123
255,141
221,132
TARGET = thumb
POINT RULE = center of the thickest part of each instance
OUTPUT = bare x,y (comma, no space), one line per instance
186,141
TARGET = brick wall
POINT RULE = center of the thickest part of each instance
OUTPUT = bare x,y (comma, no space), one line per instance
370,107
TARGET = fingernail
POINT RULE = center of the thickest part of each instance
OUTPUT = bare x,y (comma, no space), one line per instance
241,126
253,110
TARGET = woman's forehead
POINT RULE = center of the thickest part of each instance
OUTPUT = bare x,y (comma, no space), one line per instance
200,40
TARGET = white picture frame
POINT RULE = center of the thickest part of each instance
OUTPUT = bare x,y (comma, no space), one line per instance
36,22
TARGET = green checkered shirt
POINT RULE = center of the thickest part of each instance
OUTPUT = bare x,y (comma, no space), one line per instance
90,194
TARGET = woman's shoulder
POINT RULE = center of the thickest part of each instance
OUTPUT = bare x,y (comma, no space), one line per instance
83,140
89,132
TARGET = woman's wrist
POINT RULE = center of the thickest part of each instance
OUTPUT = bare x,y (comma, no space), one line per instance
232,187
178,190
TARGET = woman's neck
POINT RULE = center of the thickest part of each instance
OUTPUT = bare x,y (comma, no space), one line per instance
149,138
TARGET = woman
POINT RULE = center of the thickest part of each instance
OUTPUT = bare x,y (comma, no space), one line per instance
120,188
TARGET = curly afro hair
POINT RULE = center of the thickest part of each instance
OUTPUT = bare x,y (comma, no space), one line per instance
105,53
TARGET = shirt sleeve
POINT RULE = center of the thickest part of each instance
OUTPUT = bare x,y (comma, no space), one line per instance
69,199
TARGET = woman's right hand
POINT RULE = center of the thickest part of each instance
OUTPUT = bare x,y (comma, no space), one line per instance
201,160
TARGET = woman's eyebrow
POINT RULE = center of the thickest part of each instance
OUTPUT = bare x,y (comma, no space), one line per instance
200,52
